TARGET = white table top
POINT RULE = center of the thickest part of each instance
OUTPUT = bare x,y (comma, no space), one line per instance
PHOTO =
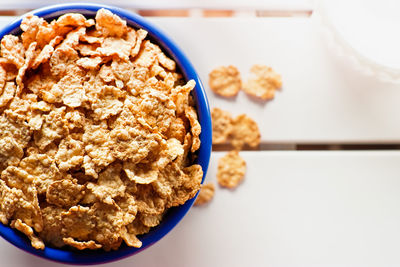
295,208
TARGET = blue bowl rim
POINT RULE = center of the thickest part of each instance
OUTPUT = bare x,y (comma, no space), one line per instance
203,157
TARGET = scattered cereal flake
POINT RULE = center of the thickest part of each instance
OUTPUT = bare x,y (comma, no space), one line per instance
78,222
140,174
14,137
157,110
116,47
127,205
171,150
62,59
157,70
190,185
231,170
28,231
177,130
225,81
97,146
72,38
71,19
70,153
53,128
45,34
46,52
29,56
151,220
3,78
30,26
8,93
51,233
137,227
27,207
166,62
180,96
43,168
106,74
122,70
64,193
177,185
148,201
16,128
109,184
11,69
73,92
109,222
264,83
245,131
9,201
140,36
81,244
88,50
89,62
130,239
190,113
221,125
110,24
39,84
75,119
133,143
147,55
10,152
91,39
101,223
13,50
184,160
35,122
206,194
107,102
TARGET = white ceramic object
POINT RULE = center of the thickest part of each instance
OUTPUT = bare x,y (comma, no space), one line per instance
364,33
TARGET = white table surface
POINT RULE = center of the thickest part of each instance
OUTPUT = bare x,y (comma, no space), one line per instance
295,208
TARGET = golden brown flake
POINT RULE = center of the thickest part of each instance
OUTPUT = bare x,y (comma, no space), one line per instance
206,194
81,244
264,82
28,231
225,81
245,131
221,125
231,170
64,193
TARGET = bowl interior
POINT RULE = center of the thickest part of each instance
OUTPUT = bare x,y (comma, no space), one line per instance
174,215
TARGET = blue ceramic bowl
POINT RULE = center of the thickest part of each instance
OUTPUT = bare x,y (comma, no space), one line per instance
174,215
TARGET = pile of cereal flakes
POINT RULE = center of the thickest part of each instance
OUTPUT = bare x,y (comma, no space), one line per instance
97,132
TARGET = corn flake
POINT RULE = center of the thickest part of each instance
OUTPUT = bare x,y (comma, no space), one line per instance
245,131
206,194
231,170
221,125
225,81
64,193
264,82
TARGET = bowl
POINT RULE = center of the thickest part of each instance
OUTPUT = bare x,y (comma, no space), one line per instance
173,215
